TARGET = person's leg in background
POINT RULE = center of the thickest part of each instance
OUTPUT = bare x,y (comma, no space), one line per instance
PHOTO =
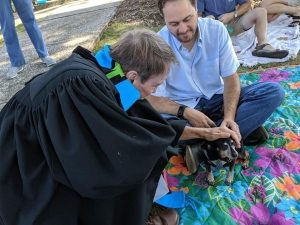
277,7
10,34
26,14
258,18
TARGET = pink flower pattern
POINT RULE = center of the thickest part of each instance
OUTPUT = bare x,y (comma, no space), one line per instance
274,75
278,160
259,214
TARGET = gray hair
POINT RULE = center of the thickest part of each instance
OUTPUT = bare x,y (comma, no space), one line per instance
143,51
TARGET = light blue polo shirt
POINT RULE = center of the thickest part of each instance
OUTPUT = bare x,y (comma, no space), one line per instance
198,72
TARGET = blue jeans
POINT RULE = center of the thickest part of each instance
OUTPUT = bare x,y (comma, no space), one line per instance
26,14
257,102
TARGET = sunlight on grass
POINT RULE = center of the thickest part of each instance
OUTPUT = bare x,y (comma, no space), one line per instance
113,31
19,28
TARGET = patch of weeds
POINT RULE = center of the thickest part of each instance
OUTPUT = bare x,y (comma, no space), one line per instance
19,28
114,30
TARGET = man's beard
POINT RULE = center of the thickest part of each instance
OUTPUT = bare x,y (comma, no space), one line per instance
186,39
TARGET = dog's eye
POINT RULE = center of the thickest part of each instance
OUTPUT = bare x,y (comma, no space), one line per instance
225,146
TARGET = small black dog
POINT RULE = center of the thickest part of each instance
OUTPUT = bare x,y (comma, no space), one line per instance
210,152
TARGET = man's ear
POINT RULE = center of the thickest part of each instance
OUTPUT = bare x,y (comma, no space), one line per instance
131,75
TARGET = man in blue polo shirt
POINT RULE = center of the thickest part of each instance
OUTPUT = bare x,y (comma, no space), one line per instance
204,87
238,16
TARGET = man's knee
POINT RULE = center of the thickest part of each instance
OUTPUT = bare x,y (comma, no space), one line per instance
275,92
260,13
255,17
264,91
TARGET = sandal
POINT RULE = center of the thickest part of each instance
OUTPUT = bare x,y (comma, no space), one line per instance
276,53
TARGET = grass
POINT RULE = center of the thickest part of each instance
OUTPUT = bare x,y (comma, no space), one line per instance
113,31
19,28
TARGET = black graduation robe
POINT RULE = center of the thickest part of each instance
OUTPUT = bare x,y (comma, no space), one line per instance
70,155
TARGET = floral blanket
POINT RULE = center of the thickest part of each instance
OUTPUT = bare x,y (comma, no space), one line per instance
268,192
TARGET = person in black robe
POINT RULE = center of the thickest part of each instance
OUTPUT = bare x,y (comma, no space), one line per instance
73,152
79,144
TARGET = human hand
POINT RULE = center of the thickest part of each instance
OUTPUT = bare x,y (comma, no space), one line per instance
233,126
211,16
226,18
215,133
197,118
209,134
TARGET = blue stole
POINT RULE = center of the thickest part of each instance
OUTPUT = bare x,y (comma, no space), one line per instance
129,94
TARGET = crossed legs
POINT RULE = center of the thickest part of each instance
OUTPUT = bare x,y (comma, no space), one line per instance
257,102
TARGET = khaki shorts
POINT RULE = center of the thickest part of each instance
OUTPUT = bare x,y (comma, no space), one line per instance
235,26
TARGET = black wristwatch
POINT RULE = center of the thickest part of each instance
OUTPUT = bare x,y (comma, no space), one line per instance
181,111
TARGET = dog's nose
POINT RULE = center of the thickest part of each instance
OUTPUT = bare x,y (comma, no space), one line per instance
234,154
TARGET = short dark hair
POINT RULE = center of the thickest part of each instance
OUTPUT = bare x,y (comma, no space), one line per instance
143,51
161,4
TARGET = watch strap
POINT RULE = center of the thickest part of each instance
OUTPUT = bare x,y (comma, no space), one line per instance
181,111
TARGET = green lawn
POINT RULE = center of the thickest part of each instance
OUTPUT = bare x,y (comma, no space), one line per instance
113,31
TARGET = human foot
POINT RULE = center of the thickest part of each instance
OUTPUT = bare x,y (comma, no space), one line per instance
268,51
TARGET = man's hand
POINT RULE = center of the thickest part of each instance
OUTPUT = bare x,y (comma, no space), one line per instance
209,134
226,18
232,125
215,133
211,16
197,118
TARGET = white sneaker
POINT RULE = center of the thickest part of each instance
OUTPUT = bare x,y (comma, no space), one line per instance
13,71
48,61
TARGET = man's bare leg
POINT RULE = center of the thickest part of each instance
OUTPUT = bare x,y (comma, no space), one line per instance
277,7
258,18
